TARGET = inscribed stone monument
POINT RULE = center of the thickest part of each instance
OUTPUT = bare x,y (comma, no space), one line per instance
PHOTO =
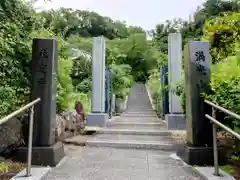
44,85
98,117
45,59
197,80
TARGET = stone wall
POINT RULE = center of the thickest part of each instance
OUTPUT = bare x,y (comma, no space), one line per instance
67,125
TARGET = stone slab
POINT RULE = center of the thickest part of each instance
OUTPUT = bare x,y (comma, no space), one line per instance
201,156
176,122
79,140
37,173
132,144
110,163
46,156
207,173
134,132
97,119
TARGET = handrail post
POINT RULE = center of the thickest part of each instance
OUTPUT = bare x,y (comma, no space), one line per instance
215,150
30,137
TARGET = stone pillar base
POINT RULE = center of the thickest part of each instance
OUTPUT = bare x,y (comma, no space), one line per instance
201,156
97,119
43,156
176,122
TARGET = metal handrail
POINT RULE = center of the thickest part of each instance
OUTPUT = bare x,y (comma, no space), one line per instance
216,122
30,134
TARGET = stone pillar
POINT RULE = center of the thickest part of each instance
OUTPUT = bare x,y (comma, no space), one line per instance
199,130
44,85
98,117
175,118
174,69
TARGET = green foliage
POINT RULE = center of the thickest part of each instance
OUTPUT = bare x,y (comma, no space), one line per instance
223,33
225,85
84,86
16,23
179,89
67,22
154,84
121,80
137,52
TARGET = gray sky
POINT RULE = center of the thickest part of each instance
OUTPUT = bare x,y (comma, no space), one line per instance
144,13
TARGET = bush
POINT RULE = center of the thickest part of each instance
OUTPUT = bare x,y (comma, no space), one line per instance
121,79
223,32
84,86
179,89
225,86
154,84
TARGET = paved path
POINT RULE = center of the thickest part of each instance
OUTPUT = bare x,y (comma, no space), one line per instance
135,146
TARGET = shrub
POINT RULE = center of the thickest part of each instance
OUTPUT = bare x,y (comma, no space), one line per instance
179,89
121,79
223,32
225,86
154,84
84,86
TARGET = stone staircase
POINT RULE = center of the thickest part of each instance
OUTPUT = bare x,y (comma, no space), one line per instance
138,127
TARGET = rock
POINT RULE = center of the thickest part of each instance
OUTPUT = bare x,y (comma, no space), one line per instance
11,136
14,133
68,125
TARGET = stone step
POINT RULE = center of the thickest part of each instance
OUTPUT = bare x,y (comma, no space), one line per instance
139,112
139,118
155,145
137,125
139,115
136,121
119,137
133,132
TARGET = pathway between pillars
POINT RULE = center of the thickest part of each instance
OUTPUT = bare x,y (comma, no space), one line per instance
135,146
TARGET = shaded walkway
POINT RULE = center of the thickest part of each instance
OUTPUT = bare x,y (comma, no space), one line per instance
135,146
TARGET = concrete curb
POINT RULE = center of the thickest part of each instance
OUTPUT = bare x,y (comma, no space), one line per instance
206,173
150,97
125,103
37,173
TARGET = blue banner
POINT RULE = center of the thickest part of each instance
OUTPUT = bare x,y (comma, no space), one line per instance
164,93
108,91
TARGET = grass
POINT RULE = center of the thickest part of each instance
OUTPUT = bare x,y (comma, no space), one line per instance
9,168
228,169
